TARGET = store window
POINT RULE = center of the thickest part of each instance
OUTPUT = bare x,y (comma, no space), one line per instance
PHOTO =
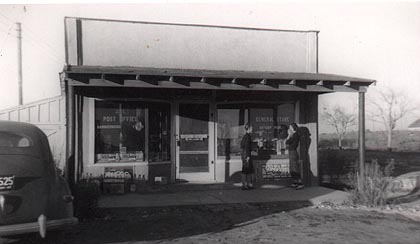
119,132
121,127
159,132
270,123
230,129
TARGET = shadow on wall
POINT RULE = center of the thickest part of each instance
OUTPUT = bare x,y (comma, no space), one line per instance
304,144
263,157
56,138
235,177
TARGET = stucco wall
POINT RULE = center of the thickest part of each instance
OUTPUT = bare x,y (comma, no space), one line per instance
117,43
308,117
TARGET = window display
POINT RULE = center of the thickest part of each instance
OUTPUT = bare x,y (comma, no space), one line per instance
159,133
262,120
230,131
270,123
119,132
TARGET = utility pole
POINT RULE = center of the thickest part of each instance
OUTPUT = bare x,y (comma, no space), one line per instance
19,58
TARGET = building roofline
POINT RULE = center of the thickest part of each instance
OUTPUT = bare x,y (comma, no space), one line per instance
192,25
122,76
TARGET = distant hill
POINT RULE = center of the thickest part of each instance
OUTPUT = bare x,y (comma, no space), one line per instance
403,140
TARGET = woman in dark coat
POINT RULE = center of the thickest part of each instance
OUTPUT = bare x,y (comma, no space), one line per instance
247,166
292,142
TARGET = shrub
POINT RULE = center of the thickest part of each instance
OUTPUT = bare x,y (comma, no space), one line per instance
370,188
86,196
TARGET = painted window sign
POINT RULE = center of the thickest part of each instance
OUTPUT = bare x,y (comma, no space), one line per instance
263,122
270,126
270,123
285,113
263,118
119,132
194,137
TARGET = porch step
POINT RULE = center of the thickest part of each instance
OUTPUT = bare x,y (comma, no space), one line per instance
203,186
308,196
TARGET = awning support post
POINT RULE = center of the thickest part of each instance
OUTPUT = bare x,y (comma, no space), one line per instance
362,146
70,117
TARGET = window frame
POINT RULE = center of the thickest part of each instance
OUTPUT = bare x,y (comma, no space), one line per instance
143,104
245,107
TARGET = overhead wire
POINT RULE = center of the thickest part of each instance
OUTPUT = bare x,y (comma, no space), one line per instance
10,28
44,49
3,30
40,41
5,40
6,16
4,26
4,23
9,33
30,34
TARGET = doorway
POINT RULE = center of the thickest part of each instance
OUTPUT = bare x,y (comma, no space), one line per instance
194,141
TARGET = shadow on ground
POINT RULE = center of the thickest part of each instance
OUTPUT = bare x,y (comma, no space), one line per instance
163,223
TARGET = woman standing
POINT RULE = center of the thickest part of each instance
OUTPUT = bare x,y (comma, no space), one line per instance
247,166
292,142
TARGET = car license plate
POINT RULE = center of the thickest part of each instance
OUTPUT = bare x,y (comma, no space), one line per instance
7,182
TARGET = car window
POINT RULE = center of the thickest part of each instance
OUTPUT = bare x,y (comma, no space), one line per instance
11,140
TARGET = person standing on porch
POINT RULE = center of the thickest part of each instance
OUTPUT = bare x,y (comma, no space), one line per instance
292,143
247,166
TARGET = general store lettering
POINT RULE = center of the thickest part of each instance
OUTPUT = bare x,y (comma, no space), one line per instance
264,119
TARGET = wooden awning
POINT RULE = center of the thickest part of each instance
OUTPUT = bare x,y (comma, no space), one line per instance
139,77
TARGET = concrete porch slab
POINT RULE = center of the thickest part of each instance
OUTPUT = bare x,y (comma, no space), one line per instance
230,195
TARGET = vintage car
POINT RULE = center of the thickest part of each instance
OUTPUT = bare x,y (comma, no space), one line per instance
34,197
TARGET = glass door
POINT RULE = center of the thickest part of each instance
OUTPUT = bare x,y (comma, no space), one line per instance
194,160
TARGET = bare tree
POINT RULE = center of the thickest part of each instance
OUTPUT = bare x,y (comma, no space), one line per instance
388,108
338,118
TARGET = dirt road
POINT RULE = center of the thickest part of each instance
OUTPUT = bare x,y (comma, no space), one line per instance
239,223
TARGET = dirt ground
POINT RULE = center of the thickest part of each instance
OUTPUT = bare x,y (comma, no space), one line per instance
241,223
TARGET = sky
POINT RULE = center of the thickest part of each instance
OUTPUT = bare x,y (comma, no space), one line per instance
375,40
